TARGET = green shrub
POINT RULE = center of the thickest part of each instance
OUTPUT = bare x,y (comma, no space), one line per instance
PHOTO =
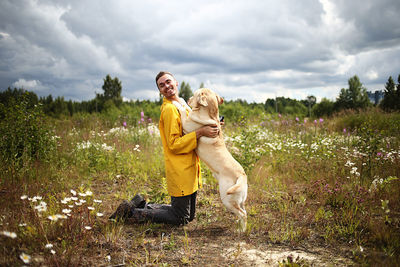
24,135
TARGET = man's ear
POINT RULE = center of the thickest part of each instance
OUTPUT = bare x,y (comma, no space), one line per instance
202,99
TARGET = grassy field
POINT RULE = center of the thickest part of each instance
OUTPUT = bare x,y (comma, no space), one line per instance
322,192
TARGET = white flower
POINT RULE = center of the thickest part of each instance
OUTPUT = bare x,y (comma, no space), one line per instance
60,216
70,206
9,234
41,207
35,198
88,193
108,258
73,192
66,200
66,211
53,251
78,203
24,197
74,198
49,245
25,258
53,218
22,224
82,194
88,227
97,201
90,208
82,201
99,214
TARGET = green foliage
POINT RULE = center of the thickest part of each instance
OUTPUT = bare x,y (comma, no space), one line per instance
185,91
284,105
112,91
354,97
323,108
25,134
391,101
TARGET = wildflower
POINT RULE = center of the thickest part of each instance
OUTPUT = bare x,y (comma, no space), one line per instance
9,234
88,227
25,258
344,130
108,258
305,120
70,206
22,224
53,251
297,119
82,201
74,198
361,249
66,211
97,200
321,120
99,214
90,208
24,197
279,115
73,192
82,194
141,114
78,203
379,154
124,123
35,198
53,218
88,193
315,121
61,216
49,245
149,120
41,207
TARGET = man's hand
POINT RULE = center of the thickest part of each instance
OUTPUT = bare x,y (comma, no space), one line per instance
208,131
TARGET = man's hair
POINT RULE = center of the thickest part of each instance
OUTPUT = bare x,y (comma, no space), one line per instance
162,73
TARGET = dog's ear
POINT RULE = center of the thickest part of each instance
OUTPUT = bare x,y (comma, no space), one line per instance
220,100
202,99
190,101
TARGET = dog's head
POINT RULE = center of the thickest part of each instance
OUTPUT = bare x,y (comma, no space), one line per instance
208,99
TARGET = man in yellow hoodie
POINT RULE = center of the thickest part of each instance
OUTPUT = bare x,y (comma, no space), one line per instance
182,165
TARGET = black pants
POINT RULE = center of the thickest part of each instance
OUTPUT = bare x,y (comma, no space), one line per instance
181,211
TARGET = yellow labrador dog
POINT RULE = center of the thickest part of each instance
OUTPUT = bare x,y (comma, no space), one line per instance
212,151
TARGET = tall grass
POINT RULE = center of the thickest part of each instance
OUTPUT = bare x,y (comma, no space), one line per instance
311,184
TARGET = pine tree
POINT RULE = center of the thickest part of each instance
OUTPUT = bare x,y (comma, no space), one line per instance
390,98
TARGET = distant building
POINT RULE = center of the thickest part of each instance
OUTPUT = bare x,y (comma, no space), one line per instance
376,97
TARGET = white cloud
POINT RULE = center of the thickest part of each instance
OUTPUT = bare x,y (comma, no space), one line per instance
28,85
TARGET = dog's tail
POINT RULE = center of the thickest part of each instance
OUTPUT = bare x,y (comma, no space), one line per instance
239,182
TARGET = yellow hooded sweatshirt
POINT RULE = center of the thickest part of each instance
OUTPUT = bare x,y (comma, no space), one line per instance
182,165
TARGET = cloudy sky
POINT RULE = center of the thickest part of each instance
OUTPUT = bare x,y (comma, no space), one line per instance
253,50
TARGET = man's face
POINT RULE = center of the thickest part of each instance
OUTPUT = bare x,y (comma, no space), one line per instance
168,86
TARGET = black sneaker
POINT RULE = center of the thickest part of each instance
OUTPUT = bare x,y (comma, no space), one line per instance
123,211
138,202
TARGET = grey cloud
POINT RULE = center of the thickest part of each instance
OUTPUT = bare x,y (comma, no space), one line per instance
263,47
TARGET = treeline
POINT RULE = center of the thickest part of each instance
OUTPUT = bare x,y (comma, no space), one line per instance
110,102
